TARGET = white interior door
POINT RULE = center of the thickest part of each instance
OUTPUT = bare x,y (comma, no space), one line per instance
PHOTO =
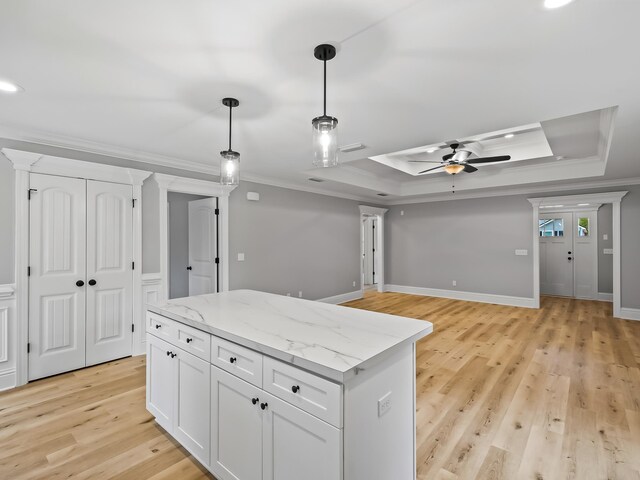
109,271
556,254
368,239
57,287
202,246
586,254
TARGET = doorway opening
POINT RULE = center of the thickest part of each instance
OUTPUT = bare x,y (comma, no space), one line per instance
192,244
372,248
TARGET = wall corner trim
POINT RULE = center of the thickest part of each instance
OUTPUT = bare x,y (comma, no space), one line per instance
524,302
630,313
342,298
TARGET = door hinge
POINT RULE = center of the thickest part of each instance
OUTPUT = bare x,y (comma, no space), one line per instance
133,327
29,192
133,203
217,260
28,348
133,265
28,271
217,211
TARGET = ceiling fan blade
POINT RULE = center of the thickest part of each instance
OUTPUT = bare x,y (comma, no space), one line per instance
470,169
429,169
500,158
424,161
448,156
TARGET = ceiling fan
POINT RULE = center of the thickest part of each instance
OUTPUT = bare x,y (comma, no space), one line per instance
458,161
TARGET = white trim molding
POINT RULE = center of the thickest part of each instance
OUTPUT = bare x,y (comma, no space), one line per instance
172,183
151,293
524,302
368,211
26,163
342,298
629,314
605,297
7,337
568,202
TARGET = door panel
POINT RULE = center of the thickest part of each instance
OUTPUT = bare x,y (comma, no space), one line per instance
556,254
160,381
192,407
109,257
236,427
57,262
298,445
202,246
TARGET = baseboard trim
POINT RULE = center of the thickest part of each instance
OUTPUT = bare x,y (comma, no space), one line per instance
468,296
342,298
630,313
7,380
605,297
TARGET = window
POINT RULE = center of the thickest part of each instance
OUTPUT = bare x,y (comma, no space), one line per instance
583,227
551,227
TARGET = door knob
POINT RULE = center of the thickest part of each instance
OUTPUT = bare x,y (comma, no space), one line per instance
569,258
264,406
189,267
92,282
79,283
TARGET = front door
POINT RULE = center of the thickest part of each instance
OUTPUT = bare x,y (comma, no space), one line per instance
556,254
57,263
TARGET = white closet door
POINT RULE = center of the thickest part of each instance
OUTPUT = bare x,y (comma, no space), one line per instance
57,281
202,246
109,271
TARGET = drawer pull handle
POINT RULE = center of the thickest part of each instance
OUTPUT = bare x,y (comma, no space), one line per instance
173,355
189,340
295,388
158,326
264,406
233,360
255,400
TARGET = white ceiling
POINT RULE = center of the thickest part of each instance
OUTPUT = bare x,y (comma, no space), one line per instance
143,79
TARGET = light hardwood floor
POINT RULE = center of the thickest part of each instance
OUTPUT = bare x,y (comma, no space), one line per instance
503,393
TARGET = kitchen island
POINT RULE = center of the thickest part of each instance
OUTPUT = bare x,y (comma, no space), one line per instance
262,386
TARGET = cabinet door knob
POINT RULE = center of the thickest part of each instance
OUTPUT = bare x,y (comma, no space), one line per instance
79,283
233,360
189,268
92,282
255,400
264,406
173,355
168,353
295,388
158,326
189,340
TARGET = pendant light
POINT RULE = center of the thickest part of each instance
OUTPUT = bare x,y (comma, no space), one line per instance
325,134
230,162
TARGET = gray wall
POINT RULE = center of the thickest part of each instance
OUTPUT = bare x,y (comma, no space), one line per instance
294,241
605,262
470,241
179,242
7,231
630,248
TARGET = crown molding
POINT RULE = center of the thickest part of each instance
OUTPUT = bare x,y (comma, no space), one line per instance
192,185
594,199
97,148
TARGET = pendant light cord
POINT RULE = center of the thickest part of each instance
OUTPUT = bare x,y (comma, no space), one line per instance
325,88
230,109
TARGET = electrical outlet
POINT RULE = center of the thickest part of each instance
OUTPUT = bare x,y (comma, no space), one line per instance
455,284
384,404
354,284
300,294
522,253
401,212
605,236
241,257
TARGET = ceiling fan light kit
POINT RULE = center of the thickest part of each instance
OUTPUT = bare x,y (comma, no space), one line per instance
230,161
324,127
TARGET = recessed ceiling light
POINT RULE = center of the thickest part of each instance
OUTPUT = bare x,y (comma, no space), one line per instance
9,87
431,150
509,135
550,4
583,204
560,157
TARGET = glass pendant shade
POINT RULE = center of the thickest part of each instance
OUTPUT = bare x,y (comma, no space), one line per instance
229,167
325,141
453,168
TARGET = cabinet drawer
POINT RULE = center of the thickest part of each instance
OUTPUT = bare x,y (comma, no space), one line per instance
236,359
161,327
193,340
306,391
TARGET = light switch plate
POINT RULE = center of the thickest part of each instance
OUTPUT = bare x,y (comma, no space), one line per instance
522,253
384,404
608,251
241,257
605,236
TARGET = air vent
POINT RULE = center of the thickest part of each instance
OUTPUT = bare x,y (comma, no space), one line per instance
317,180
352,147
383,194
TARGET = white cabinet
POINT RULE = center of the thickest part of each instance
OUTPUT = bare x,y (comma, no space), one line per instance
298,445
256,436
236,427
178,389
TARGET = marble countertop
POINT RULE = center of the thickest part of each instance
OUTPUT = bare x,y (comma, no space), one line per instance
329,340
